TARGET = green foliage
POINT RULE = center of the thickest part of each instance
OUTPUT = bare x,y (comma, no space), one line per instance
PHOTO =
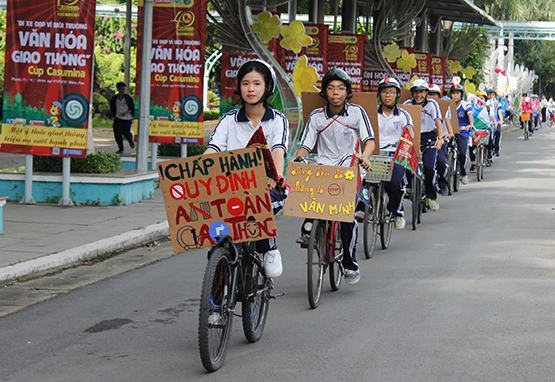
210,115
174,150
539,56
477,55
2,46
100,162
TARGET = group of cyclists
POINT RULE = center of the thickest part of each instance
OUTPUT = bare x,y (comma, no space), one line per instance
536,112
340,134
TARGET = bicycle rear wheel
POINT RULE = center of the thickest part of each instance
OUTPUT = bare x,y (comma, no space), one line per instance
256,300
456,174
335,268
215,316
369,234
416,201
315,262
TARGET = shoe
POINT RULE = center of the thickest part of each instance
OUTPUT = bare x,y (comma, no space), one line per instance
132,145
351,277
399,222
489,162
215,318
119,152
272,263
359,216
444,191
473,168
432,204
303,241
464,179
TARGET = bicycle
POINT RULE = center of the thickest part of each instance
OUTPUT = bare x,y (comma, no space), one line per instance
234,273
418,192
525,118
481,153
377,221
453,170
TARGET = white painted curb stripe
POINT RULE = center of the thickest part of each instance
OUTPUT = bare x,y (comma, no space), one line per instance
84,252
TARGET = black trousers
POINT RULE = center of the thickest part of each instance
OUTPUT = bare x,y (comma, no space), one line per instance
122,128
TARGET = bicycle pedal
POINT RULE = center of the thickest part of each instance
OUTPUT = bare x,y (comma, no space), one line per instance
275,296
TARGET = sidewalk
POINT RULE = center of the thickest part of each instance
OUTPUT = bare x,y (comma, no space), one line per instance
43,237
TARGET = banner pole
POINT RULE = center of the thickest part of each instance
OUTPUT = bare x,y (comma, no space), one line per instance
28,198
184,150
144,110
66,183
154,156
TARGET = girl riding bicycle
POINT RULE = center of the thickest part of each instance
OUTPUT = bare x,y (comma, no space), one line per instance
256,81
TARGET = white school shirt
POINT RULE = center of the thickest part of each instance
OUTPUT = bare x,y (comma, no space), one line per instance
335,136
430,114
234,130
391,127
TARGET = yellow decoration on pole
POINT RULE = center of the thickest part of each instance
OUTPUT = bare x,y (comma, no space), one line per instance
455,66
304,77
294,37
266,26
407,61
391,52
468,72
469,87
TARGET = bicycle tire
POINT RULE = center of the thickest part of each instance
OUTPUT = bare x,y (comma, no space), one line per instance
385,221
456,174
525,128
212,350
450,172
479,163
315,263
484,161
334,268
415,196
256,301
369,234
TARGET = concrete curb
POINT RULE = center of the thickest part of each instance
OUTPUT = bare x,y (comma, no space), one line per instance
88,251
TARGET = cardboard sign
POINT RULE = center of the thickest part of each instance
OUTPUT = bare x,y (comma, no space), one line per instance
415,112
454,118
321,192
405,95
218,194
368,101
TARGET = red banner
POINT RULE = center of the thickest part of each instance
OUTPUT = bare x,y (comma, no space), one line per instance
423,66
346,51
317,53
372,77
406,154
437,71
47,77
177,70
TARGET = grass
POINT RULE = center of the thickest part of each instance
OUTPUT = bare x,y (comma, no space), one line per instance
101,122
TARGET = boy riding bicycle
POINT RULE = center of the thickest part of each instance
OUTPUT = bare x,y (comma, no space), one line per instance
256,81
465,115
336,131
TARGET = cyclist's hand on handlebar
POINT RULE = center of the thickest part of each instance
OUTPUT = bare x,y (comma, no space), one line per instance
298,159
439,143
364,162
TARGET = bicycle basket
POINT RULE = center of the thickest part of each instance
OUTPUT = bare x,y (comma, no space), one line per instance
381,168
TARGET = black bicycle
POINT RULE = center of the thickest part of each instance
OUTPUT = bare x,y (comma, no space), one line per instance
234,273
378,221
453,167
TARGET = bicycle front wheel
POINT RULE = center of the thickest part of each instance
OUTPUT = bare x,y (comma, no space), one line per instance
256,300
215,316
386,221
479,162
315,262
450,172
369,234
335,268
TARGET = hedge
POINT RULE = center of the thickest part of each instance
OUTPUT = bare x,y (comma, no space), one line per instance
100,162
174,150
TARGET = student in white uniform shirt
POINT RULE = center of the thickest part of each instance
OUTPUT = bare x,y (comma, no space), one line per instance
441,162
391,121
431,135
256,81
335,131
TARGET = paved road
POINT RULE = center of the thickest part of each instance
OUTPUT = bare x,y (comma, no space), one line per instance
469,296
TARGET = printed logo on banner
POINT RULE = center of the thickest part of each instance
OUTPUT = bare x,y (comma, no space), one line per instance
351,53
184,21
68,8
191,108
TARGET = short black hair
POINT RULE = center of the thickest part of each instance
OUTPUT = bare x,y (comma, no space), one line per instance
120,84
